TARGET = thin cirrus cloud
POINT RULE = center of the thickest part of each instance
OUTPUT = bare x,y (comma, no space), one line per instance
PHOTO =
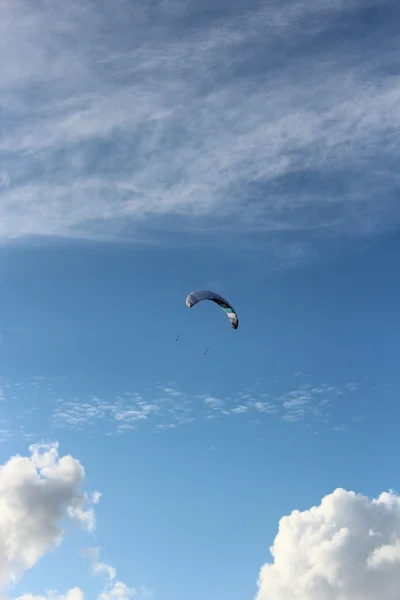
170,405
271,118
164,407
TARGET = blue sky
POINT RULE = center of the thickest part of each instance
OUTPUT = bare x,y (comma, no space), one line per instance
149,150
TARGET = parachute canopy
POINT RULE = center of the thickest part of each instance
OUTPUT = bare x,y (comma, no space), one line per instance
199,295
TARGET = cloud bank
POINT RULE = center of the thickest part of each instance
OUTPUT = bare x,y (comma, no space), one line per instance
347,548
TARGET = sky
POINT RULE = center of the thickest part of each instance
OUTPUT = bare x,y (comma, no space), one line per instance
148,450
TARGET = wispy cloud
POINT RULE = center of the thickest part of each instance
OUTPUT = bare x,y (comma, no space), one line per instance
339,428
214,403
352,387
166,408
171,405
99,567
307,400
155,122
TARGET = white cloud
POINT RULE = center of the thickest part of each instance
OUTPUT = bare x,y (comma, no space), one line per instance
214,403
136,127
307,400
265,407
36,493
239,409
99,567
73,594
164,407
119,591
351,387
347,548
339,428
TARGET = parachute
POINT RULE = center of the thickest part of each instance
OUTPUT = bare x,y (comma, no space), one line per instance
199,295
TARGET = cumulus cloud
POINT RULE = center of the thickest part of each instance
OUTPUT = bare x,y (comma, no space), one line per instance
36,493
347,548
118,591
73,594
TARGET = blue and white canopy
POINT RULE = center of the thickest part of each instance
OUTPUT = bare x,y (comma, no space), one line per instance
199,295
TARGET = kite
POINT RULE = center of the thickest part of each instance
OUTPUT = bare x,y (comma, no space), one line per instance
200,295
